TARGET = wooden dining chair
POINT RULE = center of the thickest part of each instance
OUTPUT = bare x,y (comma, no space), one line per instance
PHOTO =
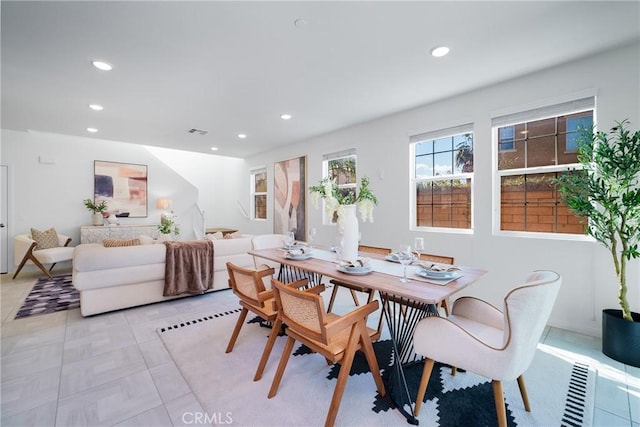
248,286
440,259
337,338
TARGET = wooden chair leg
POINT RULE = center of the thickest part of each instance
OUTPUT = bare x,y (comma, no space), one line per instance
355,297
29,256
367,348
345,368
453,371
275,329
286,352
424,381
501,410
334,293
236,330
523,393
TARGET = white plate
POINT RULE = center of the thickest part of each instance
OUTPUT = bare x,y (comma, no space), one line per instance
298,257
355,270
439,275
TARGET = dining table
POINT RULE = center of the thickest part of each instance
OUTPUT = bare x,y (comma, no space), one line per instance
403,304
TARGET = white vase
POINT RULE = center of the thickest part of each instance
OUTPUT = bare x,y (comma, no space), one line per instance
97,219
349,233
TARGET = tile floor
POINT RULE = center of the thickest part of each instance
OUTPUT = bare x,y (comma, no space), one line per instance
62,369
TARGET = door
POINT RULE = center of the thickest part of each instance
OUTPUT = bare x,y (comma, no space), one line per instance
4,211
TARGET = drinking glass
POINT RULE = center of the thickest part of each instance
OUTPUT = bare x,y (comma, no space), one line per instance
289,239
418,245
312,235
405,257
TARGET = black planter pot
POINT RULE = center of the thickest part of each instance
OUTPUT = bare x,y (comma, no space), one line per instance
621,338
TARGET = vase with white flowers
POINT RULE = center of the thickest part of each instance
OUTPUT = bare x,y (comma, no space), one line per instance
343,203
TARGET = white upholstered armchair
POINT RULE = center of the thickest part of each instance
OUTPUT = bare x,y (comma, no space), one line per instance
25,250
479,338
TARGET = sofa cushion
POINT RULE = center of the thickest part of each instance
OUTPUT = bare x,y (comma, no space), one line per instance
90,257
116,243
45,239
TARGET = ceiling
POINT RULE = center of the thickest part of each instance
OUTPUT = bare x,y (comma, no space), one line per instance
234,67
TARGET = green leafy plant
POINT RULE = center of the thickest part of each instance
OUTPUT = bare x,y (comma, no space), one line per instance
95,208
607,192
334,197
168,225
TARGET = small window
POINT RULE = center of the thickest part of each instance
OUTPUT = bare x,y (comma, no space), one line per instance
259,194
443,172
341,168
506,138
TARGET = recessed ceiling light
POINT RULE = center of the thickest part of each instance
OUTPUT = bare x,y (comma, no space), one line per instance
242,135
101,65
96,107
300,22
214,148
92,130
439,51
285,116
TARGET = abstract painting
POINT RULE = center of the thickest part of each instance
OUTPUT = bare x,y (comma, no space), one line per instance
123,186
289,197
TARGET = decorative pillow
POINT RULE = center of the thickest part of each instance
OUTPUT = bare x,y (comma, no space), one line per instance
214,236
45,239
115,243
146,240
234,235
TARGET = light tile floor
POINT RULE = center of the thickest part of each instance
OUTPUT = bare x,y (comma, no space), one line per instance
112,369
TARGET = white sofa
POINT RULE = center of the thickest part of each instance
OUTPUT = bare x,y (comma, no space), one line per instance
115,278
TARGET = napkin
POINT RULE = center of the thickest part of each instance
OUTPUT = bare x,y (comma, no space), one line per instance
299,251
360,262
429,266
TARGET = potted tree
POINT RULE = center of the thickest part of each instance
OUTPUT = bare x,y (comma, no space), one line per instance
607,192
97,210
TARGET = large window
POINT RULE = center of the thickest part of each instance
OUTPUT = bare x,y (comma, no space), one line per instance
340,167
442,175
259,194
542,144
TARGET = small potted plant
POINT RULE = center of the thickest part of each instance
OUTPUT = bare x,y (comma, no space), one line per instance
607,192
168,226
97,210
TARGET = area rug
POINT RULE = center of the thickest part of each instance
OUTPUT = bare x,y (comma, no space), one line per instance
561,391
49,296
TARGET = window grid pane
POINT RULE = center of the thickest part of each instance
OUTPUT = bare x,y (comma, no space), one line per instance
260,206
444,203
532,203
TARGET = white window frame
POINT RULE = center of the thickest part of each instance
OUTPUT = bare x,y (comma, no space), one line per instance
254,193
571,106
413,181
326,158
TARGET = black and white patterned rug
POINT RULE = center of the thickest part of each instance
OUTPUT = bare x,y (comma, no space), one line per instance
561,389
49,296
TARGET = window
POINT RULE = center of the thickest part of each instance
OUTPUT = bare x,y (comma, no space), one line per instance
544,144
259,194
442,174
506,138
341,167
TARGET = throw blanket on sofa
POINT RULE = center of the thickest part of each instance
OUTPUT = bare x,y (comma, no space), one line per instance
188,267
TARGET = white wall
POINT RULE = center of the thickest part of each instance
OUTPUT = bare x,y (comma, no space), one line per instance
589,284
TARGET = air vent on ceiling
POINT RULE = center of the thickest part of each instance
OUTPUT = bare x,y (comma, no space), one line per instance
198,131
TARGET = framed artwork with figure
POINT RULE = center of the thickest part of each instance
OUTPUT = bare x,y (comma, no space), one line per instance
123,186
289,179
